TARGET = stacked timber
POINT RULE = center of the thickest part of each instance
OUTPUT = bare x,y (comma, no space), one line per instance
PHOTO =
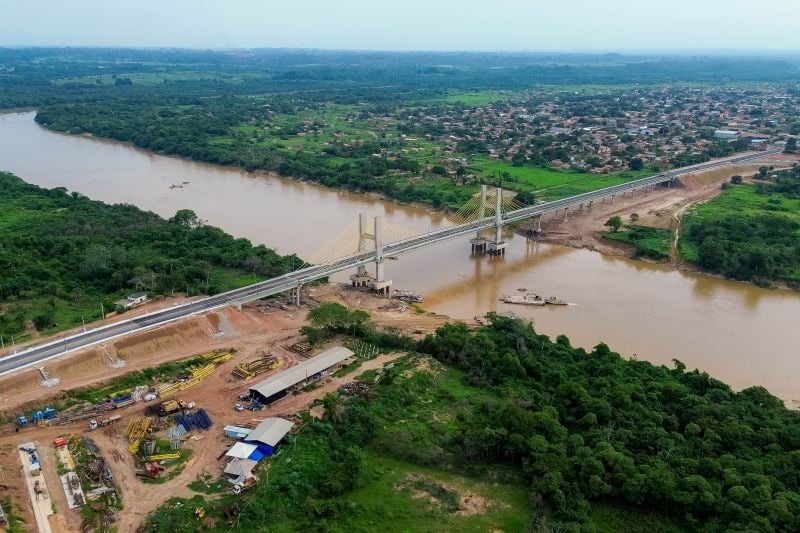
300,348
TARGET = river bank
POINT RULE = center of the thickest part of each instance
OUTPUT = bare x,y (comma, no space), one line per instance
738,332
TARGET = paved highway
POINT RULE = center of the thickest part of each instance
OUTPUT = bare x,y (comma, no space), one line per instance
39,354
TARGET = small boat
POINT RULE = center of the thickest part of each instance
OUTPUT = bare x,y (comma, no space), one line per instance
522,289
552,300
408,296
527,299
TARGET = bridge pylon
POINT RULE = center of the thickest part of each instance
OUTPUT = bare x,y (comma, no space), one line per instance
484,245
479,242
362,278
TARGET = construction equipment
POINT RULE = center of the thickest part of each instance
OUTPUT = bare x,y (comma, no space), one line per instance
150,470
100,422
43,416
166,408
22,421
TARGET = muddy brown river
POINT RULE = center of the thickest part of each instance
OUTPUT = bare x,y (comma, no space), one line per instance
739,333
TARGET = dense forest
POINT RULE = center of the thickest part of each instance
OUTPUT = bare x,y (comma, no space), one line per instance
62,255
583,430
751,231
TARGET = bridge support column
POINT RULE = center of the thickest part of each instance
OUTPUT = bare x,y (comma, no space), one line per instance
589,207
498,247
566,214
297,294
479,243
362,231
380,285
612,199
361,278
538,224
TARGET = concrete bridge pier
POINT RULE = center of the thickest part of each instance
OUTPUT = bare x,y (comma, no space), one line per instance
566,214
380,285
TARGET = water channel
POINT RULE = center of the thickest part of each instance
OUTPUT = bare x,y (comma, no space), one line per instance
739,333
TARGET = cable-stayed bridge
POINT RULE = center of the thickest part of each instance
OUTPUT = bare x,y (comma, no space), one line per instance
487,213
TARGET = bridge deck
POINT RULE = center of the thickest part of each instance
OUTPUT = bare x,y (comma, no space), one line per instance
37,355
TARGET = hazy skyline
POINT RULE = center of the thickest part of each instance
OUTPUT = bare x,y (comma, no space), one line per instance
411,25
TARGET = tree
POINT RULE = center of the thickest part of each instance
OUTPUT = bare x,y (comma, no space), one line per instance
186,217
791,145
634,217
762,171
736,180
614,223
329,316
636,164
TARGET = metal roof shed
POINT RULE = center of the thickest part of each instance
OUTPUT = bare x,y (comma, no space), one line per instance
240,450
276,386
270,431
240,467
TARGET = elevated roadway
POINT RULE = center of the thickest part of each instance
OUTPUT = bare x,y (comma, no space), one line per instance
37,355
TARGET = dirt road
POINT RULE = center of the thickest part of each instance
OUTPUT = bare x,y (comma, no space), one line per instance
251,330
584,229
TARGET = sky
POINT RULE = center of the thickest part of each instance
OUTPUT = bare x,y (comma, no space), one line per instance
508,25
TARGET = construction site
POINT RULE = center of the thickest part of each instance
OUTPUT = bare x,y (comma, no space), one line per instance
214,418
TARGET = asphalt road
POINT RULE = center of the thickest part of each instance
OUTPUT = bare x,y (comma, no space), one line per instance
39,354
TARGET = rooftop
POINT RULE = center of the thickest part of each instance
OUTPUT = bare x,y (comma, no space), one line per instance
306,369
270,431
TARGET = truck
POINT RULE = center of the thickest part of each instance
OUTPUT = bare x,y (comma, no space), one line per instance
122,401
249,482
106,421
33,461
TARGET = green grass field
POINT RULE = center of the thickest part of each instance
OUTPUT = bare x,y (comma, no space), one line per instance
549,184
648,242
415,498
744,200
